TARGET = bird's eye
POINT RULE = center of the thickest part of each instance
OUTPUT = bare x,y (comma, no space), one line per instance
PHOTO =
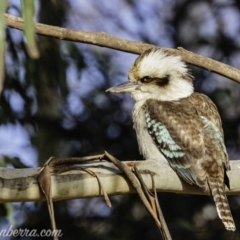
146,79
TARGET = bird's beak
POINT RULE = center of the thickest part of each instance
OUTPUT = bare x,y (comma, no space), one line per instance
126,87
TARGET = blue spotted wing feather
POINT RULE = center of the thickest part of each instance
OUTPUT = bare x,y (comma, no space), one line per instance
169,148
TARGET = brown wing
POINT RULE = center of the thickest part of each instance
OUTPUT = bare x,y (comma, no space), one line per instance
207,108
189,149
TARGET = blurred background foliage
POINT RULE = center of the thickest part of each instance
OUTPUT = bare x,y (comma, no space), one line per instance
56,105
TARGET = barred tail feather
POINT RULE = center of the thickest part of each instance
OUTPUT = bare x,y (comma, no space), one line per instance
221,202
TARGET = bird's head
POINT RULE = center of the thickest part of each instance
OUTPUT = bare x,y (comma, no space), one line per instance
158,75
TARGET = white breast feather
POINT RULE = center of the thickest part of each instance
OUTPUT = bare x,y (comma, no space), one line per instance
146,144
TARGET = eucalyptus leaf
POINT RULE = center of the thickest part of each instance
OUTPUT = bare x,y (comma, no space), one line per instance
28,14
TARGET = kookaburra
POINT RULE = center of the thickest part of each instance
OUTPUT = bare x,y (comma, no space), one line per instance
172,120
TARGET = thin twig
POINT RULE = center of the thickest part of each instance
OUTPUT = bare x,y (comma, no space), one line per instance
45,183
155,204
108,202
160,213
61,165
137,186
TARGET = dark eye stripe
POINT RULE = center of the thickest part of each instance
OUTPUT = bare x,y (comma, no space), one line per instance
162,81
159,81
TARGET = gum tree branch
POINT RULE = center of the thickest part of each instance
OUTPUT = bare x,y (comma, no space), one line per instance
21,184
105,40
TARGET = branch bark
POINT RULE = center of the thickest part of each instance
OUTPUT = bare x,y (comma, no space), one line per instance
21,184
104,40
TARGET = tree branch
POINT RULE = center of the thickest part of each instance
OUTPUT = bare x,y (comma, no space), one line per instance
21,184
104,40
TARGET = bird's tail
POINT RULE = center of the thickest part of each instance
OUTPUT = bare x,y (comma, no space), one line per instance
221,202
